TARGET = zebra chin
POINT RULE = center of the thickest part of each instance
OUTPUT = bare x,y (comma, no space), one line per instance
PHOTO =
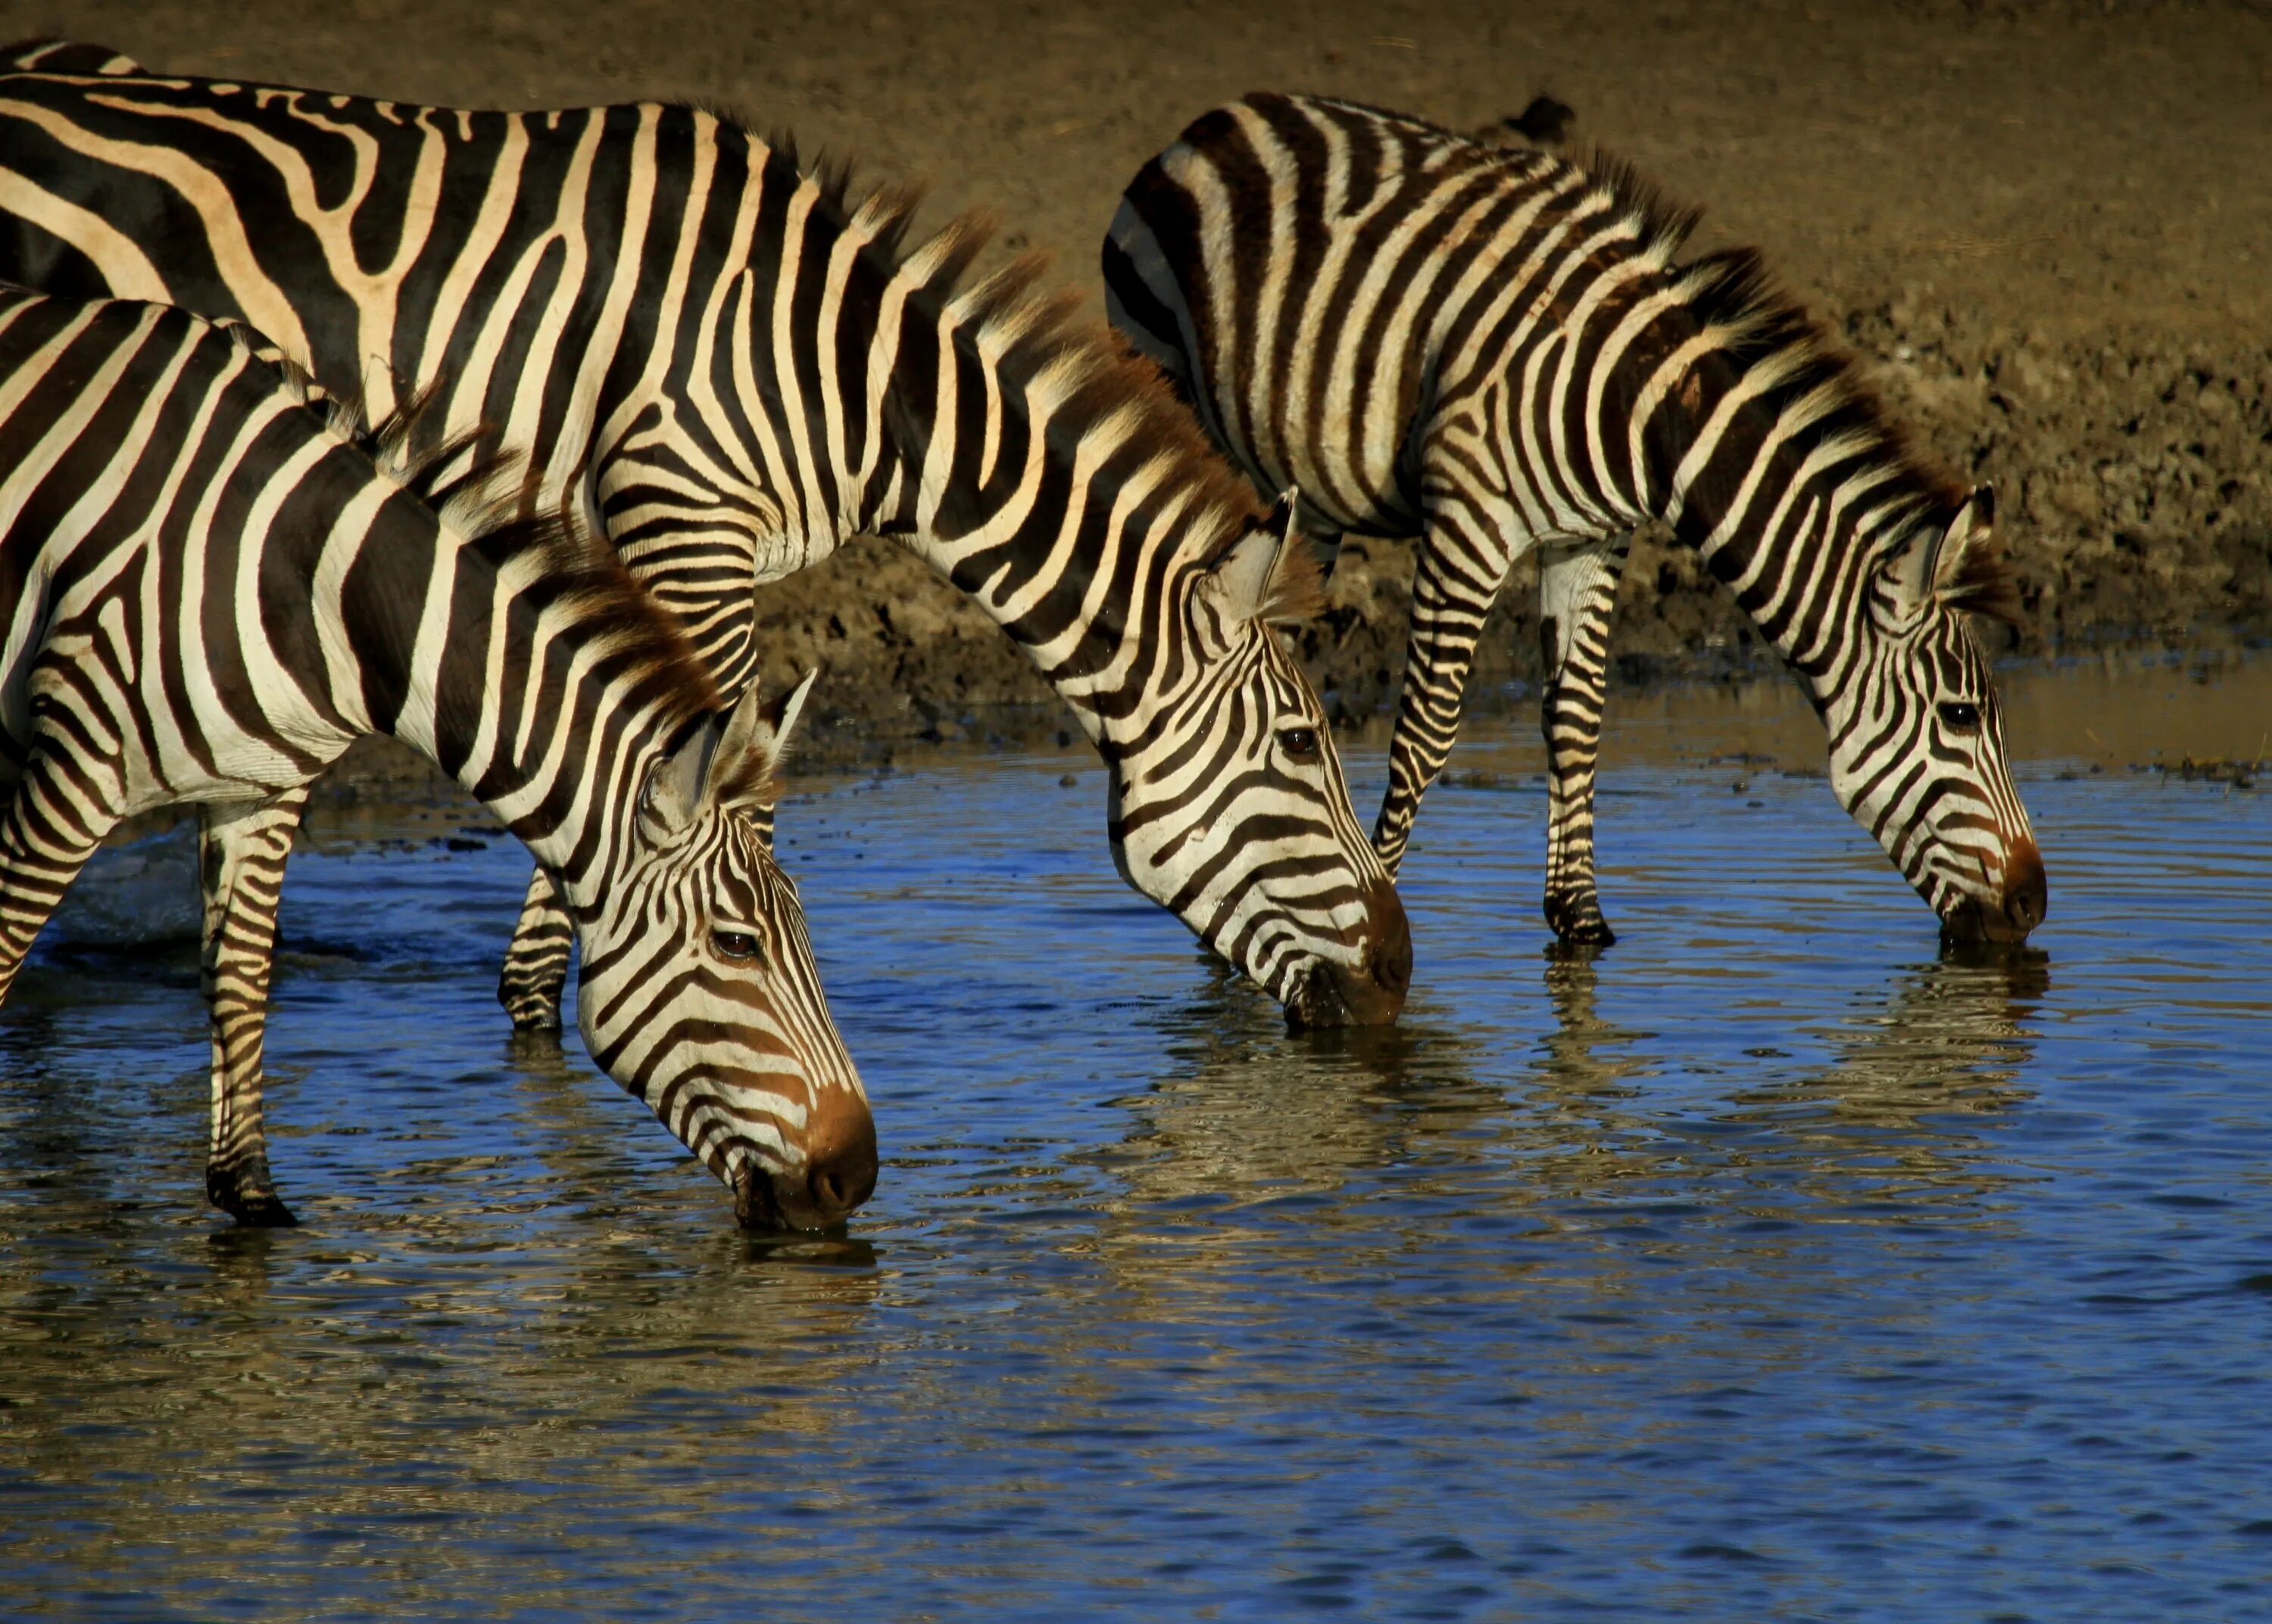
2010,919
1370,992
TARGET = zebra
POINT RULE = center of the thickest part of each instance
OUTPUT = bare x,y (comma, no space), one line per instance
1497,350
210,589
736,364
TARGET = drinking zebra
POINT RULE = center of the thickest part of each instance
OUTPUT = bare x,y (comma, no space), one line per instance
210,590
1497,350
737,365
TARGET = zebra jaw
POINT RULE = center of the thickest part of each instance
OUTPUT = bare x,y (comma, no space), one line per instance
1968,919
1368,992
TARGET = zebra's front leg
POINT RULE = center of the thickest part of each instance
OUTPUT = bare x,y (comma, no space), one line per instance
242,850
49,829
1577,590
1462,564
536,964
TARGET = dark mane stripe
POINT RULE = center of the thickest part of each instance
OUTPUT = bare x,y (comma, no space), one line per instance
1107,376
1732,289
478,488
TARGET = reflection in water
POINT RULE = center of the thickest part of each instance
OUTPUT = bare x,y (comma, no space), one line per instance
1878,1122
1247,1113
507,1282
1761,1267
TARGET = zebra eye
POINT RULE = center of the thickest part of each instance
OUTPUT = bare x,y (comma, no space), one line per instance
1301,743
738,944
1961,716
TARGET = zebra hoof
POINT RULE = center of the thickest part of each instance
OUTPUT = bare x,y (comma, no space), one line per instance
1579,923
253,1206
531,1013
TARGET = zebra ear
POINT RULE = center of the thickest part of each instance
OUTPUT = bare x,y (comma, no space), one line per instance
1269,574
745,772
1958,569
1921,574
1970,574
1964,541
673,792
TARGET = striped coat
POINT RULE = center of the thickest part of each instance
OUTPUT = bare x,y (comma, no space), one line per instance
210,589
1499,351
736,364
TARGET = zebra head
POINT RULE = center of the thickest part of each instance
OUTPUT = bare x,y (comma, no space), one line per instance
1228,808
698,990
1917,740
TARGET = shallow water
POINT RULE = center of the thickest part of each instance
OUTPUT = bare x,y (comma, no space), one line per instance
1770,1265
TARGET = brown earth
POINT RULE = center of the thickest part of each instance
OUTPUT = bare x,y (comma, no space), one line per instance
2046,227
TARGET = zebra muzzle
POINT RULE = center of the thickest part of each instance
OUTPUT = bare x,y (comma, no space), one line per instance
1370,992
838,1172
2025,901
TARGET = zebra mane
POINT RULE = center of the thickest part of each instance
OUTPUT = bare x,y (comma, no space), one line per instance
568,566
1095,375
342,416
582,578
1732,290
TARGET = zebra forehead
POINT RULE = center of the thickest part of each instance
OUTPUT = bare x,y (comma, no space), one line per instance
740,869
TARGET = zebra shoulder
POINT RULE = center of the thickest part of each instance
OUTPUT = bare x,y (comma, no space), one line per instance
65,56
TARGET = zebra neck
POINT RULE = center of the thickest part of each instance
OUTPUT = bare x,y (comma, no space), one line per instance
1083,550
545,705
1791,522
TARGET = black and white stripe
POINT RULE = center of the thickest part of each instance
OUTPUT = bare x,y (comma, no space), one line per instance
1497,350
735,365
211,589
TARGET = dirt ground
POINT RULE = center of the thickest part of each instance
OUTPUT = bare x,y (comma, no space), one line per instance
2046,226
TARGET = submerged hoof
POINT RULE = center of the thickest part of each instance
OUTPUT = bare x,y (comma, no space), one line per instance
252,1203
1577,921
531,1012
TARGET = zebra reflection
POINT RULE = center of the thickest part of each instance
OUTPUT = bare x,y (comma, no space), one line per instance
1884,1119
1602,1093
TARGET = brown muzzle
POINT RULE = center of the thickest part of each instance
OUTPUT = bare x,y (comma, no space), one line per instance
839,1171
1370,993
2027,899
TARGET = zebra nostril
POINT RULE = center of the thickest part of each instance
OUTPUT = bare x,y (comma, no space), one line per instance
1392,963
1370,992
2027,892
840,1186
841,1173
1392,952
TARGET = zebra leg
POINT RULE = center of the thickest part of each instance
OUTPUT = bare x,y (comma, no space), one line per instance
1577,589
536,964
1461,570
48,832
242,851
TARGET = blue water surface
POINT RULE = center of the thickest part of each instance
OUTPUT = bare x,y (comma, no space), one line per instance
1770,1265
